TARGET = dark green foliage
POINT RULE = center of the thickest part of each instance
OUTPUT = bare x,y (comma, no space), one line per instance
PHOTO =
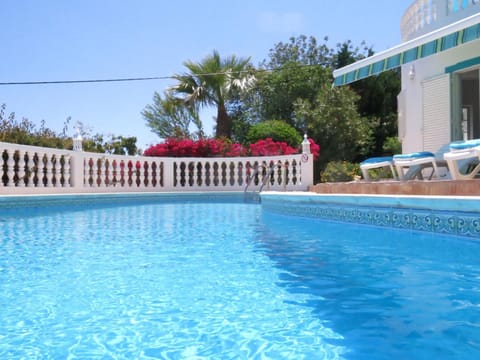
380,173
281,88
392,146
276,130
334,124
111,144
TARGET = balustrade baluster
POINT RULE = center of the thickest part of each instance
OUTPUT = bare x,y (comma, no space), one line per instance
21,169
11,168
192,170
147,174
30,169
140,174
238,173
108,173
49,172
66,171
95,170
58,170
101,173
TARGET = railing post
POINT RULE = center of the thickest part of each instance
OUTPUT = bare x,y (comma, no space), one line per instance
168,174
66,171
307,164
76,170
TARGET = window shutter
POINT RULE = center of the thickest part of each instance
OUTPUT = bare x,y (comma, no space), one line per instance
436,112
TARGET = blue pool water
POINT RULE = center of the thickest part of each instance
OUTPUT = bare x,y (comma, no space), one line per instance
229,281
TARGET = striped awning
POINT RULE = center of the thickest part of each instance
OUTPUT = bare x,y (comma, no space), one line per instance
442,39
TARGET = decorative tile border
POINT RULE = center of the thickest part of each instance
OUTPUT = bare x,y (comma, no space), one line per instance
19,202
442,221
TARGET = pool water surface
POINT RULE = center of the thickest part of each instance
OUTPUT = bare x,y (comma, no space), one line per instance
188,280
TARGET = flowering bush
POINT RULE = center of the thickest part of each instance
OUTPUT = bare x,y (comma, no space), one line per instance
269,147
314,148
223,148
190,148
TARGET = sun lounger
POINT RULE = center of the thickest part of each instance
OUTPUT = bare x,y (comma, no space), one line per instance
410,166
376,163
463,159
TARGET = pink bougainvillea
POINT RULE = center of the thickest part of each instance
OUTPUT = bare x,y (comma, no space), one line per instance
224,148
269,147
314,148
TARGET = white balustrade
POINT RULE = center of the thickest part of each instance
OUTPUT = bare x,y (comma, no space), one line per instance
36,170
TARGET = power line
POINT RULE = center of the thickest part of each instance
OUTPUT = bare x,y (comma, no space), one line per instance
85,81
150,78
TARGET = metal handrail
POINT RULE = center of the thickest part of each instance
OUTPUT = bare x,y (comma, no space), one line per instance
264,180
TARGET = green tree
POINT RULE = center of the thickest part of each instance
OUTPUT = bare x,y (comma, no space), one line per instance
168,117
214,82
334,123
301,50
276,130
111,144
377,95
280,89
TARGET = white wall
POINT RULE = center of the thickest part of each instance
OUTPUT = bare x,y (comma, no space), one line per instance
411,119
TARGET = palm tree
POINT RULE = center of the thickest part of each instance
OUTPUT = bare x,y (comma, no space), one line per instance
213,82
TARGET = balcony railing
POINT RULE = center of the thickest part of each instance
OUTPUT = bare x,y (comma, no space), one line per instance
424,16
37,170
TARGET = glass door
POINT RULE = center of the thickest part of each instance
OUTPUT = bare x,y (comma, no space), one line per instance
469,104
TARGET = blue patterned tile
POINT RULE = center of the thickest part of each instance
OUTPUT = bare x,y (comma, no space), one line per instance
445,223
382,217
422,221
362,216
351,215
401,219
468,225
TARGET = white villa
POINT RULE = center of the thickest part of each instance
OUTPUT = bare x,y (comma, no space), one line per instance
440,65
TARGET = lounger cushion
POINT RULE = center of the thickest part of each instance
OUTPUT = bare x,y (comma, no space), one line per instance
416,155
375,160
462,145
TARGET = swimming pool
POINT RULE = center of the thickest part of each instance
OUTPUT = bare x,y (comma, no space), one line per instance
178,278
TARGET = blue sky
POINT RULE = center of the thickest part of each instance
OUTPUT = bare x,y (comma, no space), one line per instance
102,39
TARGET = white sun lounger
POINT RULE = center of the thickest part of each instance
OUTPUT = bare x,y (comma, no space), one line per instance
376,163
411,166
463,159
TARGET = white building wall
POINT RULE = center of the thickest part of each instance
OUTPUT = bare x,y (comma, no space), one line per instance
412,114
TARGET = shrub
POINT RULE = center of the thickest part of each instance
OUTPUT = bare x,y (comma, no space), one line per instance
269,147
224,148
200,148
380,173
276,130
314,148
392,145
338,171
